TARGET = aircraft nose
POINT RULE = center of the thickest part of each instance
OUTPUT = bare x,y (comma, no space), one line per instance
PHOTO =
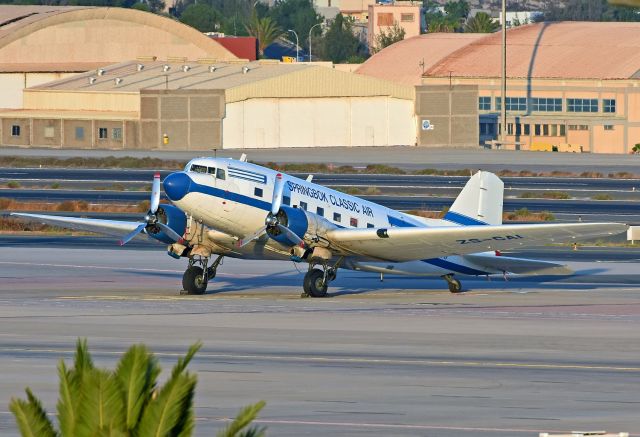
176,185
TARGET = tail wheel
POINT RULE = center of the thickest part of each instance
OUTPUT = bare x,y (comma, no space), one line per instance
193,281
455,286
314,284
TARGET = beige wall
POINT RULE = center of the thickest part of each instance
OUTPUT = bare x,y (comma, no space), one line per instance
82,101
451,111
383,17
192,120
23,139
12,85
46,132
319,122
74,127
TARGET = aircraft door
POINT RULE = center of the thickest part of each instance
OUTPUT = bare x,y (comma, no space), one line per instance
223,182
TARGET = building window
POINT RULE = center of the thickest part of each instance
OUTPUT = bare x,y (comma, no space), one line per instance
79,133
563,130
15,130
527,129
116,133
407,18
49,132
509,128
544,104
513,103
578,127
608,127
484,103
337,217
609,106
353,222
537,130
385,19
220,174
103,133
257,192
303,205
320,211
545,130
582,105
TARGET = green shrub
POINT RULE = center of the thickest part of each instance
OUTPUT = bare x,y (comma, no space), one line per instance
13,184
602,196
125,402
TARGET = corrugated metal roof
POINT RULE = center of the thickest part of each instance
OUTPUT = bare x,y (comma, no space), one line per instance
241,80
570,50
401,62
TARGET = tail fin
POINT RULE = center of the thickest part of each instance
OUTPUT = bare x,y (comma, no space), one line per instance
480,202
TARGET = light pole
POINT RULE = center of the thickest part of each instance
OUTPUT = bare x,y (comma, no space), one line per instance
503,85
297,44
318,24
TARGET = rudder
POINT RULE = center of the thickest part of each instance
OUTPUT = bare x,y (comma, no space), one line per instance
480,201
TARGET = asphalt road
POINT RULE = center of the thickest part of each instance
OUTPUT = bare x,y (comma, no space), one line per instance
401,357
405,157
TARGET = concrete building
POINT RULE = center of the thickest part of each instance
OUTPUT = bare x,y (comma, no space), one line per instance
39,44
383,17
204,106
571,85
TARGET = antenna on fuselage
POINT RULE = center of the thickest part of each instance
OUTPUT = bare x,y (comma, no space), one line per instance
243,157
309,178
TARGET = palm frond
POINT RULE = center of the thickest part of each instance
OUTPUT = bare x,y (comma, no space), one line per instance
68,401
163,414
136,374
31,418
102,406
254,431
183,362
242,420
82,359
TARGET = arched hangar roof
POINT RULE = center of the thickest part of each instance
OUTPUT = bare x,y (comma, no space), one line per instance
44,38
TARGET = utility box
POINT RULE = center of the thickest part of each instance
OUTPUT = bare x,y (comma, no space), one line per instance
633,234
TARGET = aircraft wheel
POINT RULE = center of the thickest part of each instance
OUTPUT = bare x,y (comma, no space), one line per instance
192,281
455,286
314,284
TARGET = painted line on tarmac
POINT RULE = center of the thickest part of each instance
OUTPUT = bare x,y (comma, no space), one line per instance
132,269
355,360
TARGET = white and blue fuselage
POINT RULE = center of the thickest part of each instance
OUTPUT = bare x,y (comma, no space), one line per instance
233,197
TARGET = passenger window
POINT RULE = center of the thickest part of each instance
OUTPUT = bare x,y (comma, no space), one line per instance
303,205
353,222
320,211
337,217
220,174
369,225
198,168
211,170
286,200
257,192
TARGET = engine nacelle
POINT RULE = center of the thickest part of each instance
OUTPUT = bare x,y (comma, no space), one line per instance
302,223
171,216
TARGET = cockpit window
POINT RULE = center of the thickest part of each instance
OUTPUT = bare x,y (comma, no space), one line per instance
211,170
220,174
198,168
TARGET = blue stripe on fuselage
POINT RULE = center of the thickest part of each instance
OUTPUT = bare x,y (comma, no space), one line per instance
448,265
462,219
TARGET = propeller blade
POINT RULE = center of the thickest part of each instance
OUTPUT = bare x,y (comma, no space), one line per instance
155,194
278,188
292,236
170,232
247,240
135,232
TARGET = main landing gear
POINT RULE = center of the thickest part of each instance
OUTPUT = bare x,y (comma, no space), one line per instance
316,281
198,275
454,285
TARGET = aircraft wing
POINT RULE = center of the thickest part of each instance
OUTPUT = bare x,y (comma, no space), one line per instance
116,228
415,243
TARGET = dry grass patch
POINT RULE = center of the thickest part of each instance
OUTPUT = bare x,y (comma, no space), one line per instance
72,206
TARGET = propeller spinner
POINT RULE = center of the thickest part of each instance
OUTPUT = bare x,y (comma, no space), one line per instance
151,219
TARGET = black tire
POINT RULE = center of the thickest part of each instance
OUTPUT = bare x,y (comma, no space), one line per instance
455,286
192,281
314,284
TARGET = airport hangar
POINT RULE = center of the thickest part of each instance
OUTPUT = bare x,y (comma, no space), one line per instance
39,44
575,83
204,105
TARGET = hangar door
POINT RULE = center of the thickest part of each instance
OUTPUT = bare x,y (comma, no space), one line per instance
319,122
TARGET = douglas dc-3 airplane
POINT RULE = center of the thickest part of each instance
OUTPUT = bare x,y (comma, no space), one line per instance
226,207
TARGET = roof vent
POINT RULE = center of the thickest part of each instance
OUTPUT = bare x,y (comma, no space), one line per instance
245,70
166,67
186,68
212,69
101,71
118,80
140,67
92,80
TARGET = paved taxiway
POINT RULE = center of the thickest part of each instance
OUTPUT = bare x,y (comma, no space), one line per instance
401,357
